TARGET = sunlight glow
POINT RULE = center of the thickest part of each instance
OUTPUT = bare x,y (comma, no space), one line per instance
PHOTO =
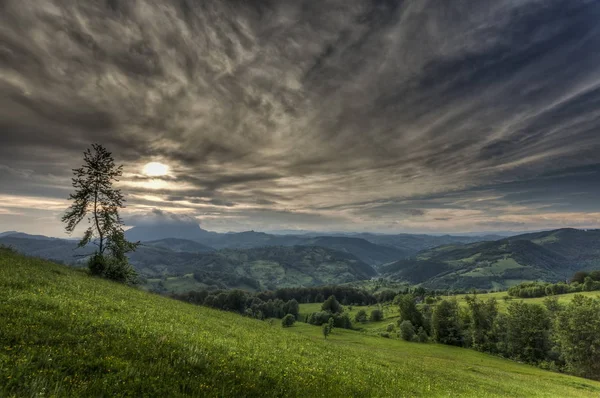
155,169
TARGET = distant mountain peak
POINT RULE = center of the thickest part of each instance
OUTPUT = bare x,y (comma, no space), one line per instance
163,230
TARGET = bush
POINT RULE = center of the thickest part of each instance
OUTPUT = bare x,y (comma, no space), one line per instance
342,321
376,315
385,334
319,318
361,316
97,264
116,269
390,327
422,336
288,320
332,305
407,330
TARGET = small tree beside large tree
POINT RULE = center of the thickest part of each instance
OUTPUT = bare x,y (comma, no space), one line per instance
97,199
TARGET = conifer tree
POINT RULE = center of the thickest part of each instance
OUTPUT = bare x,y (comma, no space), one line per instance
97,199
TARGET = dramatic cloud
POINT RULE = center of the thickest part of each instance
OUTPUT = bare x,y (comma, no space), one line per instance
379,115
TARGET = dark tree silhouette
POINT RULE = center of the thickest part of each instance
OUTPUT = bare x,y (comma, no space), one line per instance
96,198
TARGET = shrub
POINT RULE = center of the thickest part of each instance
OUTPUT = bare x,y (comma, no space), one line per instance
407,330
422,336
361,316
97,264
120,270
112,268
288,320
376,315
342,321
332,305
390,327
319,318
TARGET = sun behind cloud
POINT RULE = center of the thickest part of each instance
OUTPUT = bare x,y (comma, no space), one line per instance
155,169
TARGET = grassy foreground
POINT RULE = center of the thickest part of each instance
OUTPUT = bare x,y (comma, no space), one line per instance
64,333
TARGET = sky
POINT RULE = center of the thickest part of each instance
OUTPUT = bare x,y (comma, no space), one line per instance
348,115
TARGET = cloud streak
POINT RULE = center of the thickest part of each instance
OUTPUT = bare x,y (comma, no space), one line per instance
359,115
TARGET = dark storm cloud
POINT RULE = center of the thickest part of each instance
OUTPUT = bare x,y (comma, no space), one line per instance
358,114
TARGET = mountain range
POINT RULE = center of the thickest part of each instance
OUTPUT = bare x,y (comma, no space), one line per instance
374,249
549,256
194,258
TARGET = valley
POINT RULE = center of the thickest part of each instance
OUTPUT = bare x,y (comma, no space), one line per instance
257,261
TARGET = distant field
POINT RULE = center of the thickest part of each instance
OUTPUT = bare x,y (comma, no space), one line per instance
390,314
64,333
499,296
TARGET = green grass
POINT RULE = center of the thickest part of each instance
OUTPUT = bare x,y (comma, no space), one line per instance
496,268
64,333
502,304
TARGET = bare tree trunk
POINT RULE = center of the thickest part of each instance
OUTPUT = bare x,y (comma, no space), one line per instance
96,219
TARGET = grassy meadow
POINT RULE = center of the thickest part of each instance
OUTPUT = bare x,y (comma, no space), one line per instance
64,333
502,303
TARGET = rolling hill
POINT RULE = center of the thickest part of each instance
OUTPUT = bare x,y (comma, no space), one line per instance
180,245
548,256
580,247
198,266
373,249
253,269
366,251
414,243
234,260
67,334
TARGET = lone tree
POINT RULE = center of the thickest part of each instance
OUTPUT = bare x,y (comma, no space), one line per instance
96,199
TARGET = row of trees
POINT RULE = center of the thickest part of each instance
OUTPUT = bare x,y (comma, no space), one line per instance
582,281
347,295
243,303
554,336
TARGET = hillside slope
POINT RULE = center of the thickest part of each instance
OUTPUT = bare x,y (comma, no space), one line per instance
580,247
368,252
549,256
483,265
67,334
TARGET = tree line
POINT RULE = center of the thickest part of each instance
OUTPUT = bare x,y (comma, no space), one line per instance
553,336
582,281
346,295
241,302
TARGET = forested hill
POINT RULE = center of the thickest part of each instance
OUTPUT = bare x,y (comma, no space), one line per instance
548,256
373,249
252,269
